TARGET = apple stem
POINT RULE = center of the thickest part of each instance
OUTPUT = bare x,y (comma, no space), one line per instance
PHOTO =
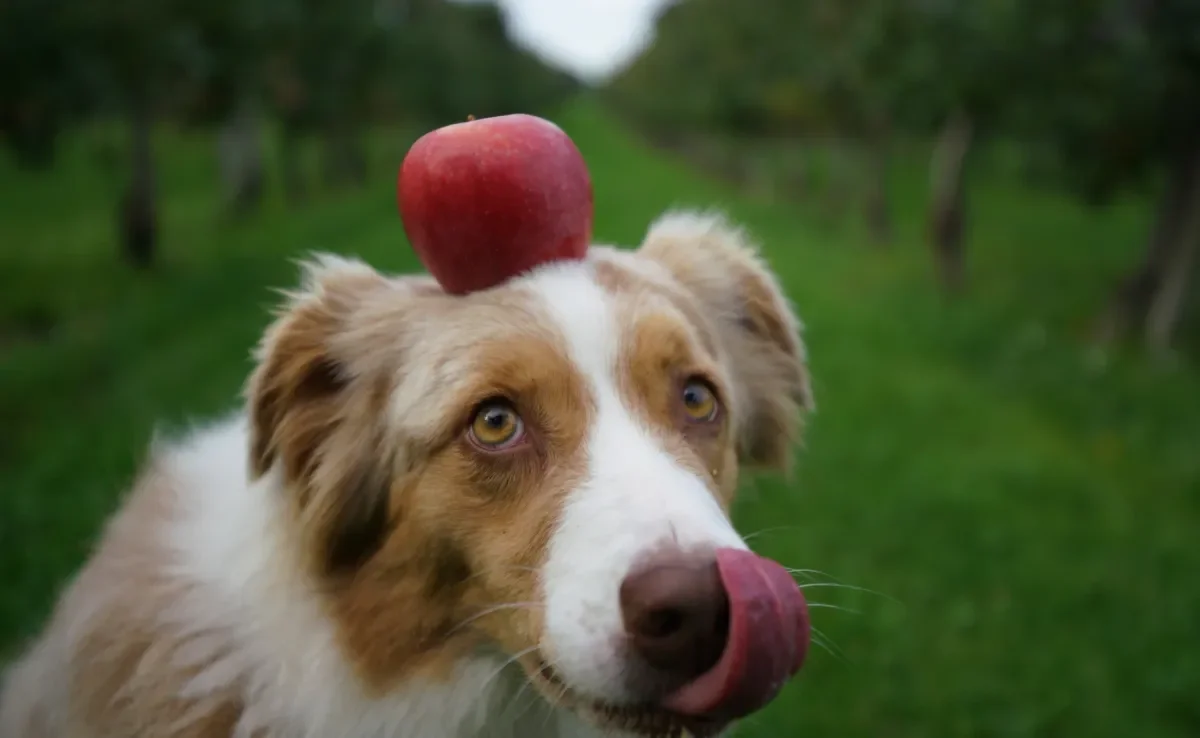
470,117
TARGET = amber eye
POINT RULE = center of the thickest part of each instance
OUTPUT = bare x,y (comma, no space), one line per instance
699,402
496,425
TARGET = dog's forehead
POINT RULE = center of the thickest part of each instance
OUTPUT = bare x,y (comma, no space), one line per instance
600,305
582,310
574,302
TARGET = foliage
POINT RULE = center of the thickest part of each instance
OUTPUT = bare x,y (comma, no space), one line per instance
323,69
1102,97
1127,104
1102,90
317,63
46,76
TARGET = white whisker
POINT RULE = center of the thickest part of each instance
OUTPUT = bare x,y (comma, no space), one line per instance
834,607
494,608
809,573
818,641
513,567
534,697
557,701
747,538
511,660
852,587
827,643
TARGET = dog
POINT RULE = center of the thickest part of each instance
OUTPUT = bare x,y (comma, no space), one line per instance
428,518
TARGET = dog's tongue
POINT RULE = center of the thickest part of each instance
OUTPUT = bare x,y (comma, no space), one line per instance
768,638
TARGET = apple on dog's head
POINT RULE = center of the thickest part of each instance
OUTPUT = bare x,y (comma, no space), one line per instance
487,199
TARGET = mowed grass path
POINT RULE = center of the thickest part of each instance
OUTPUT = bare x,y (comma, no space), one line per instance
1027,512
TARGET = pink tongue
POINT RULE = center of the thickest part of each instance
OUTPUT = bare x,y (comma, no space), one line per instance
768,638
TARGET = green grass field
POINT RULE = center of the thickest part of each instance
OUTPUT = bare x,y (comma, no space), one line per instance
1027,510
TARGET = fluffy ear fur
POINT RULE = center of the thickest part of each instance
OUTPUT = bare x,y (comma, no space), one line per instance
759,330
314,418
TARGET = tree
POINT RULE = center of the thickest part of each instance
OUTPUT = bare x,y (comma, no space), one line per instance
1150,55
134,48
1104,94
45,80
1124,113
224,58
325,70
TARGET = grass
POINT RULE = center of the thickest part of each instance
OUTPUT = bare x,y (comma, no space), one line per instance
1026,509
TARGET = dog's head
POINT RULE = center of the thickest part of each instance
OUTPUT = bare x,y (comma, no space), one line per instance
545,467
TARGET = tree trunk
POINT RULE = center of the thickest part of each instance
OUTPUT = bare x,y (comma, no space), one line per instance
797,177
878,215
947,217
1127,310
291,155
32,133
1167,301
239,152
138,216
838,185
345,163
331,164
358,158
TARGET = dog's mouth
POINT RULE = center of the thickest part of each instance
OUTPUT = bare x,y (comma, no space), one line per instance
646,720
768,633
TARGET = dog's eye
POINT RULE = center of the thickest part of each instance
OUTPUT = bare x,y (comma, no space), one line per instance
496,425
699,401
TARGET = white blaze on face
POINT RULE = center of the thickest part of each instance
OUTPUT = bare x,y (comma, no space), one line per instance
635,498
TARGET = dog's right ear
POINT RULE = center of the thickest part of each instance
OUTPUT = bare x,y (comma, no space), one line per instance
718,263
314,412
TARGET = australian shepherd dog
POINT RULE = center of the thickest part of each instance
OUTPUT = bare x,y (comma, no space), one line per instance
504,513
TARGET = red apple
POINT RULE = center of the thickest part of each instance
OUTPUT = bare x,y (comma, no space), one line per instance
485,200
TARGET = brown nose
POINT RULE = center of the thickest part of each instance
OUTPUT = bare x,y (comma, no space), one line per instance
676,614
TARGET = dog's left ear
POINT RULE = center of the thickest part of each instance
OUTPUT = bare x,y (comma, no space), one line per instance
313,413
759,330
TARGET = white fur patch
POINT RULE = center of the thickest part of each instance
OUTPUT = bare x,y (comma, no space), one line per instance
635,498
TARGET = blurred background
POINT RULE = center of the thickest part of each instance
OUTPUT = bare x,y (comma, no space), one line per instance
987,212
